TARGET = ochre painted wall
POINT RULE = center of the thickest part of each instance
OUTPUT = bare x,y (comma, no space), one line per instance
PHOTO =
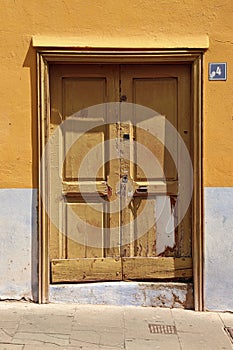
124,22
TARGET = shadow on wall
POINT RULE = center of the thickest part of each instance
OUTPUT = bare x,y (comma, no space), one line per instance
30,62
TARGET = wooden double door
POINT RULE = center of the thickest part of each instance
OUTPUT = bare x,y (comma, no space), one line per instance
118,182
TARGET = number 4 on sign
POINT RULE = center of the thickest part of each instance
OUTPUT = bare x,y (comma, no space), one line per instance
217,72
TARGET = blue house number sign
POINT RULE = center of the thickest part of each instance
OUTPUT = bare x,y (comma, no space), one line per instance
217,71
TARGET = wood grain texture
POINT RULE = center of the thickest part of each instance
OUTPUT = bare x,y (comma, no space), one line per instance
156,268
83,270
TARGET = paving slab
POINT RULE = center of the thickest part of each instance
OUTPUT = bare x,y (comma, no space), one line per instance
92,347
46,323
159,342
11,347
227,318
84,327
9,327
5,336
196,321
101,317
112,339
84,337
137,321
41,339
200,330
10,315
199,341
137,314
45,346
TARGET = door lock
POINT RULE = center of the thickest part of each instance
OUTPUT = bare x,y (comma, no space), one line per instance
125,179
123,98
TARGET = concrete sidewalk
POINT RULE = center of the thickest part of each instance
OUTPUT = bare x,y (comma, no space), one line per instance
70,326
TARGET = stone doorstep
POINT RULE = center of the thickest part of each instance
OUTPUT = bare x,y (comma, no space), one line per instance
155,294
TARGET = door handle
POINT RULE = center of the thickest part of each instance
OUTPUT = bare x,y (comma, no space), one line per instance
142,189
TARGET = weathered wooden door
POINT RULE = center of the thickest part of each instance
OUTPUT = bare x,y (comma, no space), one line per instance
120,199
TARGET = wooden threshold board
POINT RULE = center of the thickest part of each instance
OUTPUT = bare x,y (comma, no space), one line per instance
86,269
156,268
116,269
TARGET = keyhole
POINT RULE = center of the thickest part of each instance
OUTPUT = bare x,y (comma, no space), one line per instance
123,98
125,179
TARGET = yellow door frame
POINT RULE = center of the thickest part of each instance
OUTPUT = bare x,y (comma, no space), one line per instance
193,57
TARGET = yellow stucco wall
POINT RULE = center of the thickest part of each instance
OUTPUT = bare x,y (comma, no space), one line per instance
122,22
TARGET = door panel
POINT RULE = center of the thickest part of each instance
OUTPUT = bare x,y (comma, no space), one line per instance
141,245
159,94
93,214
166,90
133,242
73,89
76,97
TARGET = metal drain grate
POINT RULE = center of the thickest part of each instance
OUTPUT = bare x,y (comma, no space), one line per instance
229,332
161,328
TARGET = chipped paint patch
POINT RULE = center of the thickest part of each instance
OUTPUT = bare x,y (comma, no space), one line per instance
165,231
